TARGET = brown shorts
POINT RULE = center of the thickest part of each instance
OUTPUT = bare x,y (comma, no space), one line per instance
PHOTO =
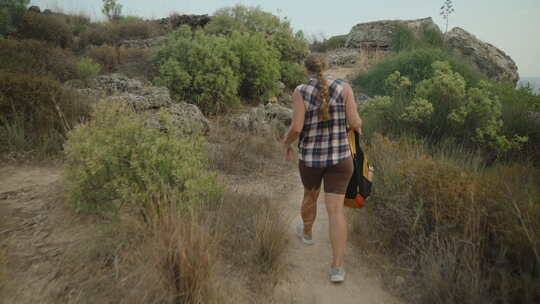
336,178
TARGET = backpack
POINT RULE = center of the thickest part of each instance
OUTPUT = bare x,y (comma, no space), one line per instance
359,187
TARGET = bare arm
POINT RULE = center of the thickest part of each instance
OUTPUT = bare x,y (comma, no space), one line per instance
353,119
297,124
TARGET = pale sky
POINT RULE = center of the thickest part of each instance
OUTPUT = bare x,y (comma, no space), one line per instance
511,25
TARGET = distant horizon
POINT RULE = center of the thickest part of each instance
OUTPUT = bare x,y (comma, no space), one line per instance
509,27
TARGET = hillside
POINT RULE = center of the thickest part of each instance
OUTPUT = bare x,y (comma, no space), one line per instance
141,162
533,81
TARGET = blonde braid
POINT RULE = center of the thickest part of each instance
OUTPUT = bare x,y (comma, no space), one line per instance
317,64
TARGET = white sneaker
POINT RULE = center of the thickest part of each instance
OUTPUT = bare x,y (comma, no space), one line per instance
300,233
337,275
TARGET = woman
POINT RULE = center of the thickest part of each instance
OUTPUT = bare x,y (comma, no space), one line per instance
322,109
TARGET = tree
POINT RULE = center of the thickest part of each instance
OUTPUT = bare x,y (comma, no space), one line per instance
112,9
11,13
446,10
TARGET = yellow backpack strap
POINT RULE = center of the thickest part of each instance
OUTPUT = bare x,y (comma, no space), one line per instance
352,142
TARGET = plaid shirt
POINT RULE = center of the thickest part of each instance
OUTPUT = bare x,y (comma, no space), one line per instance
323,143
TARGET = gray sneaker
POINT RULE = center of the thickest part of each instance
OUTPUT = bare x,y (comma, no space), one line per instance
337,275
300,233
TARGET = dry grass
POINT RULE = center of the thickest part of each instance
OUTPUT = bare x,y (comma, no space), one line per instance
242,153
368,58
461,232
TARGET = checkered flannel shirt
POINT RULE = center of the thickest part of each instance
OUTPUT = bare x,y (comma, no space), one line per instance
323,143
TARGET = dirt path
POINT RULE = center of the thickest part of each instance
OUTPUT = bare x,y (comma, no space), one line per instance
308,281
30,245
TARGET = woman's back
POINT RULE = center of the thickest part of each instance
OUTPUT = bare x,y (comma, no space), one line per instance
323,142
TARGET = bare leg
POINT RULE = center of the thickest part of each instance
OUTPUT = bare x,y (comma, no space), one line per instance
337,226
309,209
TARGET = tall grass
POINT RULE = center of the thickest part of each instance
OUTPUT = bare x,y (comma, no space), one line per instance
466,233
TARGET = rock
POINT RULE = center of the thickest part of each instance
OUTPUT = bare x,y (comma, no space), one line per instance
485,57
34,9
399,281
343,56
378,35
263,119
145,98
361,98
47,12
143,43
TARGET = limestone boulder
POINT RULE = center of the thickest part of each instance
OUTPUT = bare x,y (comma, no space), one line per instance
379,34
343,56
485,57
147,99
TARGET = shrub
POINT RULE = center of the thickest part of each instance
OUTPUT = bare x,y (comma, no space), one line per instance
292,45
414,64
11,14
465,232
325,45
36,113
427,37
259,65
88,69
132,62
200,69
292,74
48,27
520,108
111,33
441,107
37,57
135,166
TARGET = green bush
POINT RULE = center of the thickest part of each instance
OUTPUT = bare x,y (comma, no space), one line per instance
48,27
520,114
414,64
37,57
88,69
292,46
201,69
325,45
292,74
11,14
442,107
36,113
259,66
114,160
405,39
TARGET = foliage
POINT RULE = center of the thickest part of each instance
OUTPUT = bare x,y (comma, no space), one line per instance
112,9
11,14
88,69
443,107
38,58
520,108
325,45
114,160
464,233
131,62
259,65
292,74
416,65
292,45
201,69
36,113
47,27
427,37
111,33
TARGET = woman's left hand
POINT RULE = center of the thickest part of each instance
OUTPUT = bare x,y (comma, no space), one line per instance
289,154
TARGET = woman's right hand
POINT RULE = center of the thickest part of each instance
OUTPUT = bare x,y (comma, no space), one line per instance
289,154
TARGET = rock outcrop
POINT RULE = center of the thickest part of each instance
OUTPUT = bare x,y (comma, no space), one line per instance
144,98
142,43
343,56
378,35
485,57
263,119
